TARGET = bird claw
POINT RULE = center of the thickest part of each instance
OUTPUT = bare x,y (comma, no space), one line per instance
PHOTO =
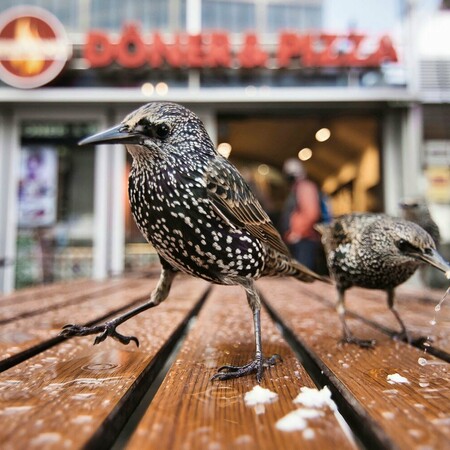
257,365
105,330
402,336
363,343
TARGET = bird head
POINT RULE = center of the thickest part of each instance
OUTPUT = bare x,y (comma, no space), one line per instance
158,131
412,241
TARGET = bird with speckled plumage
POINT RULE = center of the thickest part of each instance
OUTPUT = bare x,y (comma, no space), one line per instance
375,251
199,214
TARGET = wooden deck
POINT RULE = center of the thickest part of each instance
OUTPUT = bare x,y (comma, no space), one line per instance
58,393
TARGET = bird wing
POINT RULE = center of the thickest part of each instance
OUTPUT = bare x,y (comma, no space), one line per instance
233,200
346,229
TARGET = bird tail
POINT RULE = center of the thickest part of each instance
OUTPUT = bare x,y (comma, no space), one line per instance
302,273
281,265
320,228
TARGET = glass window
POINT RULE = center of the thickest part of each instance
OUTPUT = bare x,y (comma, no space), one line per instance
286,16
231,16
56,203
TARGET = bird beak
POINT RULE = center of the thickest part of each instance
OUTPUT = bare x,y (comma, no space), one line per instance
435,260
115,135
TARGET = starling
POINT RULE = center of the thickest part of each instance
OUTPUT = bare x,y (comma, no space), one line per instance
199,214
416,210
376,251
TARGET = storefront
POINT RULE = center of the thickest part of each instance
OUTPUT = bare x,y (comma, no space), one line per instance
64,207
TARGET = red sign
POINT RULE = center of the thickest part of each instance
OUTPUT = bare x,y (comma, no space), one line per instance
33,47
133,50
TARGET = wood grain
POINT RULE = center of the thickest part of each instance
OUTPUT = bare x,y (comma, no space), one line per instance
58,299
191,412
22,334
75,395
411,415
417,311
43,291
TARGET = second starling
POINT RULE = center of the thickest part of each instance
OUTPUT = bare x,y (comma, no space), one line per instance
376,251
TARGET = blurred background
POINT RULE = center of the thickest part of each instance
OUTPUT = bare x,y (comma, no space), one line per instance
359,91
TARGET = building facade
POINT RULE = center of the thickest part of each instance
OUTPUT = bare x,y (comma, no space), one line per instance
264,76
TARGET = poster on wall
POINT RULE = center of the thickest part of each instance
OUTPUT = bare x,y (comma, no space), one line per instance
38,186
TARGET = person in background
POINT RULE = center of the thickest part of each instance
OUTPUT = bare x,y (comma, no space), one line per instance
302,210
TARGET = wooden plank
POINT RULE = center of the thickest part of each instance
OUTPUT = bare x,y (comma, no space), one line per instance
41,303
75,395
21,335
44,290
417,311
410,415
191,412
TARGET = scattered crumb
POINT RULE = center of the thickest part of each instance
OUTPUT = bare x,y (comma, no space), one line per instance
259,395
396,378
313,398
308,434
297,420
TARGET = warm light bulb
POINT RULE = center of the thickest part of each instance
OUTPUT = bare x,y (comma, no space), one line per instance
263,169
147,89
162,88
304,154
323,134
224,149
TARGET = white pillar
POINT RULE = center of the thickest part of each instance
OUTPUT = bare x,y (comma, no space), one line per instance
392,161
9,162
209,119
194,26
412,176
102,183
117,213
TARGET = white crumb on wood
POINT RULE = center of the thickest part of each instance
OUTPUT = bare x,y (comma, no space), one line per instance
396,378
313,398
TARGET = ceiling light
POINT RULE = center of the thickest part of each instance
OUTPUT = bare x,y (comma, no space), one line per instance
224,149
323,134
304,154
263,169
147,89
162,88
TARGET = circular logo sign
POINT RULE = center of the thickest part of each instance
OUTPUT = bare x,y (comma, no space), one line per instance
34,47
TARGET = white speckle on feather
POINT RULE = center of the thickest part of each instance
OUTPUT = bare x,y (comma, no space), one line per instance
396,378
258,397
313,398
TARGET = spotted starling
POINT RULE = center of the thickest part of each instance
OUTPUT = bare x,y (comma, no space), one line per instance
416,210
375,251
199,214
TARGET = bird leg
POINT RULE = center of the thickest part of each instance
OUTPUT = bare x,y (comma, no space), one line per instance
259,363
109,328
403,335
348,336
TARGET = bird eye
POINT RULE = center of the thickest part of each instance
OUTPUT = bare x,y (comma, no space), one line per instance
405,246
162,130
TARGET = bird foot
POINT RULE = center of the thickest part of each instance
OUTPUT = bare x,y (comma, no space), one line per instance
402,336
257,365
363,343
422,341
103,331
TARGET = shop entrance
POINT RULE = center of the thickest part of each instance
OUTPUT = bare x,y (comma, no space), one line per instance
340,153
55,202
